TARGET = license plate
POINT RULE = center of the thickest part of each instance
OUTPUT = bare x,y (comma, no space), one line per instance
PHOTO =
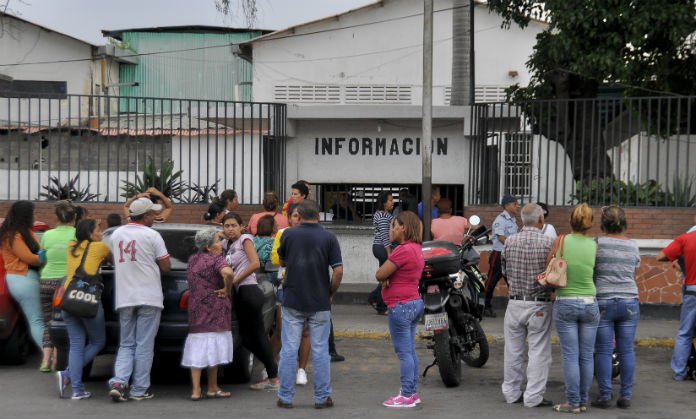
437,321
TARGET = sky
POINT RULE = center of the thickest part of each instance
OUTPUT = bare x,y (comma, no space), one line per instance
84,19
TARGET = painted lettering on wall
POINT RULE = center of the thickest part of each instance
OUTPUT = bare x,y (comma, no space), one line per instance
378,146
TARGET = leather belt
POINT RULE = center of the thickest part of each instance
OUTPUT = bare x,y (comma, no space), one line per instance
525,298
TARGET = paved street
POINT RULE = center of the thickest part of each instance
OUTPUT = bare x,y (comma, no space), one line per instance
361,383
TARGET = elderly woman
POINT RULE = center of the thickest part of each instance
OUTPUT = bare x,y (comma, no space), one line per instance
209,342
617,296
575,310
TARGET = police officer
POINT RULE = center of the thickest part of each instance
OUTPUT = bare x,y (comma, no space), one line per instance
504,226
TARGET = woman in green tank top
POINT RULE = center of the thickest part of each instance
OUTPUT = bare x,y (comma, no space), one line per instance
55,241
576,313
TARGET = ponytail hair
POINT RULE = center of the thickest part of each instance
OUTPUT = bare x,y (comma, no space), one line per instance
83,232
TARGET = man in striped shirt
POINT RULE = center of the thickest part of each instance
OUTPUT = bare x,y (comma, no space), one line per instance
528,314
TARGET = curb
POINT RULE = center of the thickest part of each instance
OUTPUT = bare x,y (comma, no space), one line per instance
374,335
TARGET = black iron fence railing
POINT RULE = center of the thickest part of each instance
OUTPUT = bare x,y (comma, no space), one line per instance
100,148
625,151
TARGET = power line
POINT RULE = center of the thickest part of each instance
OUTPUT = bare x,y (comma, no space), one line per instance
230,44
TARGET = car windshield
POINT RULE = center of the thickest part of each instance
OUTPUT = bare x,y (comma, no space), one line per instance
180,243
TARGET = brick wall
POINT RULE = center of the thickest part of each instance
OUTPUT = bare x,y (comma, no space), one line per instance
189,213
658,282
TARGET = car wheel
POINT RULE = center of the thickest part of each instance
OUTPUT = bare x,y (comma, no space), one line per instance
239,371
15,349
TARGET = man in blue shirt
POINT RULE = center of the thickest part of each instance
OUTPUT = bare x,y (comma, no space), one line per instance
504,226
434,199
307,251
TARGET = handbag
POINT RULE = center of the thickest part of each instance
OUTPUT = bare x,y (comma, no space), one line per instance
555,275
83,293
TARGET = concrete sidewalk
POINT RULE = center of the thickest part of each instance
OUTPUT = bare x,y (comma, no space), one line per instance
361,321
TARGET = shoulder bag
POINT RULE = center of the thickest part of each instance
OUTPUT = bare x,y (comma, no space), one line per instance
555,275
83,293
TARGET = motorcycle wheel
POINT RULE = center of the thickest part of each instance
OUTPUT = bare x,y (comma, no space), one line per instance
478,356
448,361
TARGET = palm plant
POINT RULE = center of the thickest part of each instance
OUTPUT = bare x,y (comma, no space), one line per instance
166,180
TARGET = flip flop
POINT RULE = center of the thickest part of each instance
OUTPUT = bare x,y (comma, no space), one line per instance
45,369
196,398
219,395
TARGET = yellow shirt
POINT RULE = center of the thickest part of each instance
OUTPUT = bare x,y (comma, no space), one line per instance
98,251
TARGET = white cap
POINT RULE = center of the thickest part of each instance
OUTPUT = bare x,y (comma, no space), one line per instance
143,205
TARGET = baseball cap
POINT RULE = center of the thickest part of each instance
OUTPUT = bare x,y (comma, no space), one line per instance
142,205
507,199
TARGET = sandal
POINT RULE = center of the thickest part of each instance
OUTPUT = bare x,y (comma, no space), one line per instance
45,369
219,395
195,398
566,408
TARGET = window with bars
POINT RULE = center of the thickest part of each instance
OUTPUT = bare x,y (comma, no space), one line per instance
518,164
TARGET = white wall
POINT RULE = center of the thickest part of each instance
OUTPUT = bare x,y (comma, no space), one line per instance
389,52
23,42
644,157
304,162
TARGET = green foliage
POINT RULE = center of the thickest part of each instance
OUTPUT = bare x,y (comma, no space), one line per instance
682,195
645,46
167,181
608,191
55,191
202,194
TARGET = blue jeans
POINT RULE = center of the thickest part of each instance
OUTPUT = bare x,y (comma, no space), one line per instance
136,348
618,316
576,324
403,319
291,334
682,343
25,290
81,330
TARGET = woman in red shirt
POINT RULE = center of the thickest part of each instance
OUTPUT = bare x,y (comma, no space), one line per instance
399,277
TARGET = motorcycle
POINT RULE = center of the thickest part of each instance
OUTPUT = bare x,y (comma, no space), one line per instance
453,291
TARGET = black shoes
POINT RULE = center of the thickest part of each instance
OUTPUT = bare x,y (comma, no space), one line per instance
601,404
520,399
326,404
623,403
335,357
488,312
544,403
284,405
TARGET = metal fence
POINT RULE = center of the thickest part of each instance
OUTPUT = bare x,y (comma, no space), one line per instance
623,151
101,148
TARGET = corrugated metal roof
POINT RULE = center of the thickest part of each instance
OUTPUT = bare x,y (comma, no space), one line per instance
118,33
212,72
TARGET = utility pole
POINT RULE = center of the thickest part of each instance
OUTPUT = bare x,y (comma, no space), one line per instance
426,141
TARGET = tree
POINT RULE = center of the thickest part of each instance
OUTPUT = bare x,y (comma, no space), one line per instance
248,9
646,47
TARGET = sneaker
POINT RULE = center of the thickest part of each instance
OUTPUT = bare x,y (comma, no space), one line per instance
416,398
266,385
623,403
63,381
601,403
301,377
83,395
118,392
284,405
145,396
400,401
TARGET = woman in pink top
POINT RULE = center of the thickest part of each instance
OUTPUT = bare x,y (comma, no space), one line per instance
399,277
448,227
270,205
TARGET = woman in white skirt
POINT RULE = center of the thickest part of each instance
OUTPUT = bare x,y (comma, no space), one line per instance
209,342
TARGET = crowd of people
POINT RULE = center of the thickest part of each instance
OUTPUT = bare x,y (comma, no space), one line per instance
595,313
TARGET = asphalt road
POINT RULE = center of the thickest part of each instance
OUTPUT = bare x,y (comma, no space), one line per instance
367,377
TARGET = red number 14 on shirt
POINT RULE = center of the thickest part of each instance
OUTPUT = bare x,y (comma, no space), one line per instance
128,249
